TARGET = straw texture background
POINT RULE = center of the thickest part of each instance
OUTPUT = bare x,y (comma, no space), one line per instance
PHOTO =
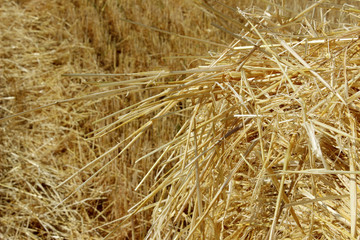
179,119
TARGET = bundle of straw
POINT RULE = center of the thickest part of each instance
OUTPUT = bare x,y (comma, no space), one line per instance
260,142
268,146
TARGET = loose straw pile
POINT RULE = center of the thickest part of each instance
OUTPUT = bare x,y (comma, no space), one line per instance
260,142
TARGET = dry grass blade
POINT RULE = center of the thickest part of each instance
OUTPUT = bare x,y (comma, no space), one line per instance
175,34
281,189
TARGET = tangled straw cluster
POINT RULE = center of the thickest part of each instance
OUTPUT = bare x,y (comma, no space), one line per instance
260,142
269,145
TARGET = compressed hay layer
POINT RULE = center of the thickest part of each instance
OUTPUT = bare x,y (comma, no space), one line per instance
262,139
40,148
